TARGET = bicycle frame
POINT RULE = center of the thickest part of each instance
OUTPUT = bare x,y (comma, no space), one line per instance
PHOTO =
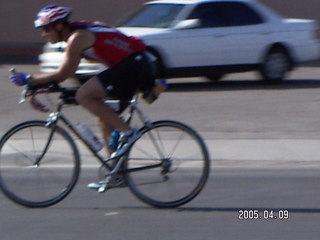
56,116
67,97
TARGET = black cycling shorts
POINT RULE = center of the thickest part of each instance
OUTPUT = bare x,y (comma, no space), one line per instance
133,74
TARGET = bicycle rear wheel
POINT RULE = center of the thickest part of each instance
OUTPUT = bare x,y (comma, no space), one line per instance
168,165
39,165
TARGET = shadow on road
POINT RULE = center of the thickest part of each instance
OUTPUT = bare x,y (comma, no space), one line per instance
239,85
237,209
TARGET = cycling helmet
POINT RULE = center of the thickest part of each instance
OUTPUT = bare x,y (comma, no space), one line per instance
51,14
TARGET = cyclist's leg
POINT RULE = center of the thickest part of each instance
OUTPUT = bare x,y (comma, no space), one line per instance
91,96
120,81
106,130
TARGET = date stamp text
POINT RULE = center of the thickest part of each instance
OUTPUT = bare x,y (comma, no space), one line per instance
255,214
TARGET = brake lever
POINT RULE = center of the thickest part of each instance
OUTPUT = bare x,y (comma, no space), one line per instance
23,95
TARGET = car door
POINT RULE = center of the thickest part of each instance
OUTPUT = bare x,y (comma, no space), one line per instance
246,33
229,34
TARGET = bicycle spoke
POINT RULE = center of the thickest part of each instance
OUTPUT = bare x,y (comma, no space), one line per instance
175,146
20,152
183,165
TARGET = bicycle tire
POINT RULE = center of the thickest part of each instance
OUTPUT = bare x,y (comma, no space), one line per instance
168,165
38,184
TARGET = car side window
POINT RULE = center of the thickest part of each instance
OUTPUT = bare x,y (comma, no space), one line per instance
208,16
225,14
153,16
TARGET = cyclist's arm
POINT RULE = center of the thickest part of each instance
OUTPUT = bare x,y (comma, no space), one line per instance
77,42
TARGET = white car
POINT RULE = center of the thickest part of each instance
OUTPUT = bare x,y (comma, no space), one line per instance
213,37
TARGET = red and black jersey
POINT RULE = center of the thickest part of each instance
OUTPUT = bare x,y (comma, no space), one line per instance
111,46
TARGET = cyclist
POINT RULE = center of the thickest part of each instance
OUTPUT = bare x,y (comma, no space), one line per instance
129,67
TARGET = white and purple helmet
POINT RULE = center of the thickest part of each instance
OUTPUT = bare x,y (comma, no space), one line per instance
51,14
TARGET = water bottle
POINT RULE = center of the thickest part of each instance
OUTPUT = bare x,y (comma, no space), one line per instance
114,141
89,136
152,95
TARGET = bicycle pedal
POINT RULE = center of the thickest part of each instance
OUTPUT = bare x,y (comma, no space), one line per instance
101,186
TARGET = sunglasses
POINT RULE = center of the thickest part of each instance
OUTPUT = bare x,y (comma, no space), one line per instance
47,28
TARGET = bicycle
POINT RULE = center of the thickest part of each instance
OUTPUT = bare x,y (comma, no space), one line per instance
166,167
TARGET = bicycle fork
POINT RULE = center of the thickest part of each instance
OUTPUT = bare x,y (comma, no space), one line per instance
51,123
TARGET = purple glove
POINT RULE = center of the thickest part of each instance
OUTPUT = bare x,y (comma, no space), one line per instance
19,79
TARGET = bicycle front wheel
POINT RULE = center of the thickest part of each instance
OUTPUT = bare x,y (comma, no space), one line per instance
168,165
39,165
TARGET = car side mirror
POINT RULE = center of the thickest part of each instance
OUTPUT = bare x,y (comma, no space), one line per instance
187,24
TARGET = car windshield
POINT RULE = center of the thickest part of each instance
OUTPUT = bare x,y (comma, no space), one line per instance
153,16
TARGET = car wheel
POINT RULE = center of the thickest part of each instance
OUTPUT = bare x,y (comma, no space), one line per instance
214,77
275,66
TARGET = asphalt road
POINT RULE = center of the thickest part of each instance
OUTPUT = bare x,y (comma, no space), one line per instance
263,141
214,214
